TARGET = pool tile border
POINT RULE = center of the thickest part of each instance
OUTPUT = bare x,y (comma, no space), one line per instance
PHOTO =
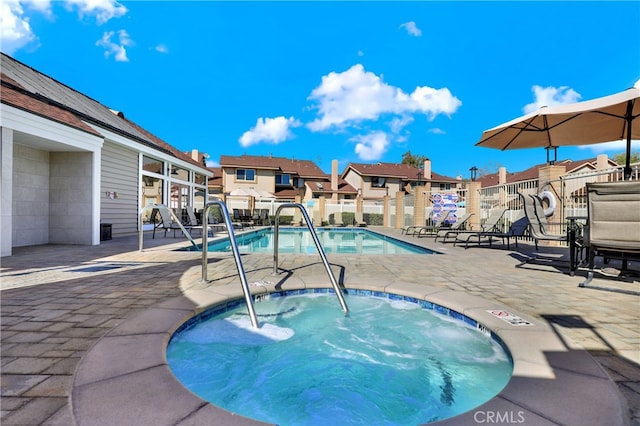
536,393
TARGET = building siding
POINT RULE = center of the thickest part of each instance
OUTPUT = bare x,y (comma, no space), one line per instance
119,175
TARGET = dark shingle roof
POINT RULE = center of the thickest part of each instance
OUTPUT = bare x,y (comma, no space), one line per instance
36,87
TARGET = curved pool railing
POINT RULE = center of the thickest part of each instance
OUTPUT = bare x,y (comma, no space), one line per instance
234,249
316,240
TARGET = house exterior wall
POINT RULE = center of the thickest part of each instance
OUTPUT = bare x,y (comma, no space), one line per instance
70,197
265,180
30,204
119,176
368,192
6,191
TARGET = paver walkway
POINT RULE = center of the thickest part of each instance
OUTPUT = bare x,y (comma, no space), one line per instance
58,301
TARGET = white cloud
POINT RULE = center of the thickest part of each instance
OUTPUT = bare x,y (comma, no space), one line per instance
118,49
372,146
399,123
411,28
270,130
15,29
213,163
355,95
103,10
637,85
436,131
360,53
161,48
611,147
549,96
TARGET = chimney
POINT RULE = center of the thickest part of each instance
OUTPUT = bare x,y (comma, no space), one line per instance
334,175
427,169
602,162
195,155
502,175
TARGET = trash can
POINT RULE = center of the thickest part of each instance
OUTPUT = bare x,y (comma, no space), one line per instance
105,231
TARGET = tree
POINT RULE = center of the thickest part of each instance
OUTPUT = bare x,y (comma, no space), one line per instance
621,158
413,160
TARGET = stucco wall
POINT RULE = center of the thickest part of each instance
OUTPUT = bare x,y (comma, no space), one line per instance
30,208
70,215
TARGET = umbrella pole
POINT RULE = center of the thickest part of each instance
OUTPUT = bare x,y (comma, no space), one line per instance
627,163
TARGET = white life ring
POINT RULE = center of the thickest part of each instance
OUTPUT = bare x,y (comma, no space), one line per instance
551,201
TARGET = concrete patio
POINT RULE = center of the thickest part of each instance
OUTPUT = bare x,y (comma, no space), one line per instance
61,305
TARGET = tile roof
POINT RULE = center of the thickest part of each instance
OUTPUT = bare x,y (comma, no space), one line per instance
395,170
534,171
302,168
49,98
324,187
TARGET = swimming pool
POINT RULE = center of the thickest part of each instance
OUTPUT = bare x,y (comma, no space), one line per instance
310,364
333,240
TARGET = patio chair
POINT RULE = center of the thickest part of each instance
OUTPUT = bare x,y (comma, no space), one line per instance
359,220
460,225
517,228
166,222
538,224
613,224
489,225
430,230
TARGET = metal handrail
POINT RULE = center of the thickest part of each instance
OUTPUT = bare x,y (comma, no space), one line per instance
236,255
173,216
318,246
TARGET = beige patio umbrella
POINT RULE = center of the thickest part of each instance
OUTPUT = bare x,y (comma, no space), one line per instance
605,119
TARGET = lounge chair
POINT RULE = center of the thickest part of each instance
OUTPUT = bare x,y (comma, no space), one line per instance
517,228
459,226
167,221
431,230
490,225
359,220
538,224
613,224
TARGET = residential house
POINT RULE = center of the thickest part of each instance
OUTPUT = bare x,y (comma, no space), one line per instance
374,181
75,171
571,167
284,178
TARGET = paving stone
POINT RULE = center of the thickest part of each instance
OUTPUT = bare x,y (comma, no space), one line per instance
17,384
35,412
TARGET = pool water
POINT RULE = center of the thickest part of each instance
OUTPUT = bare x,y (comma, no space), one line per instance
297,240
387,362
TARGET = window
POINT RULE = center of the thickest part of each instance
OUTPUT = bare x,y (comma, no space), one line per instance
245,174
445,186
378,182
152,165
283,179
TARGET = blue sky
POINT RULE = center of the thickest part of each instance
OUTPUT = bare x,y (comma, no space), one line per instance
353,81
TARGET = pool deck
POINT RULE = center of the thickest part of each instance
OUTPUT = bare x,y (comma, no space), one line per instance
84,327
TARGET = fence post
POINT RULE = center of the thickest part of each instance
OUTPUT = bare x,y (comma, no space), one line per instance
473,204
399,209
418,206
386,211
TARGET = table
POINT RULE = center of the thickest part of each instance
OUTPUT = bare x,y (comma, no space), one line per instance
572,242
